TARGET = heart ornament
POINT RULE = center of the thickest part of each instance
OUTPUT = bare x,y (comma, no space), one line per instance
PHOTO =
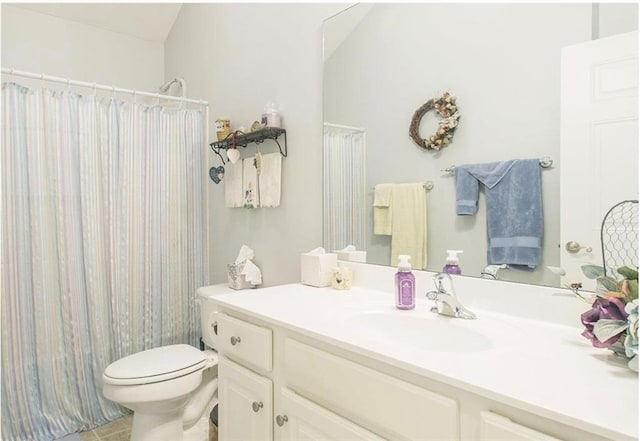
216,174
233,155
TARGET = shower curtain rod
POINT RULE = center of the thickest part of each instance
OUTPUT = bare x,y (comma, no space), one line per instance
94,86
339,126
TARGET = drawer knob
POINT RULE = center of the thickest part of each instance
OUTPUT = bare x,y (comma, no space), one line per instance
281,419
235,340
257,406
214,326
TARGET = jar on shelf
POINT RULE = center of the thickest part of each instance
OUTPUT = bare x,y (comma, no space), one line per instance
271,117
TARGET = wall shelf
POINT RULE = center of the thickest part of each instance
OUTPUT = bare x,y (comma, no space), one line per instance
241,139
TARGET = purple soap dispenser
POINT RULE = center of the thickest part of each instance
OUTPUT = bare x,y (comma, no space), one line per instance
405,284
452,266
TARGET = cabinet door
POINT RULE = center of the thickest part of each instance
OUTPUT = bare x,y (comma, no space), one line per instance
498,428
245,404
302,420
399,410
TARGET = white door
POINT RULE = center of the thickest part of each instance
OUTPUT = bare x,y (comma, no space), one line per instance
599,143
302,420
245,404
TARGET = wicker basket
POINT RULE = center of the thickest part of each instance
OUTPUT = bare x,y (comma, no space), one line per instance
223,128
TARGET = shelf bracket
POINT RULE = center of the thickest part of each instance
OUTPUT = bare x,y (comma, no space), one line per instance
241,139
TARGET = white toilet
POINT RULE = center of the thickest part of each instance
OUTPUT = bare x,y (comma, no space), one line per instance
171,389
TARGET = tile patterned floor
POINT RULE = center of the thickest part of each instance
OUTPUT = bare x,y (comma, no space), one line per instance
120,430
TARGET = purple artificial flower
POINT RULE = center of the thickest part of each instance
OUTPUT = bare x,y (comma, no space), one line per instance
610,308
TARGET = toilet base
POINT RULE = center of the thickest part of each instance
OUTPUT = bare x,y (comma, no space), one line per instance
165,421
199,431
159,426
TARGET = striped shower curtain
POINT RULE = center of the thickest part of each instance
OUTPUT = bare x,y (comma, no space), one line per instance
103,233
344,188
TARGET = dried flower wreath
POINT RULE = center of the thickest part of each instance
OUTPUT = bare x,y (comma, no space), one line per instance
447,109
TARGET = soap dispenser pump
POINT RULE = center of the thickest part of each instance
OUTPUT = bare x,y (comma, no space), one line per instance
405,284
452,266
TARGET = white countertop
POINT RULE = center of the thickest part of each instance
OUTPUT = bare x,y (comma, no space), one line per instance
546,369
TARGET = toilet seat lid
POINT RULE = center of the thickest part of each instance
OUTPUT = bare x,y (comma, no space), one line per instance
155,365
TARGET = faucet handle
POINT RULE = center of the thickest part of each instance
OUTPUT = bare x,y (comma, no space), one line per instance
444,283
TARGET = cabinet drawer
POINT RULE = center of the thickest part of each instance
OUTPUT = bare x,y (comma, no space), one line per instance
494,427
391,407
243,341
308,421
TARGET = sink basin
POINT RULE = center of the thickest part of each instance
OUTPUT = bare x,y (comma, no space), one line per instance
423,331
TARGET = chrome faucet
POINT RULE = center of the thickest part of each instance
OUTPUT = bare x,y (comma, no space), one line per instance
446,300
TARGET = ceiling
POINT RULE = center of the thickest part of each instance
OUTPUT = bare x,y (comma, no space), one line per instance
149,21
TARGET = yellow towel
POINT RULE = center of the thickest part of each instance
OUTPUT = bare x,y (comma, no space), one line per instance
409,226
382,213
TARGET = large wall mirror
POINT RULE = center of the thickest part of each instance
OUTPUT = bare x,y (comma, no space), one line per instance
504,65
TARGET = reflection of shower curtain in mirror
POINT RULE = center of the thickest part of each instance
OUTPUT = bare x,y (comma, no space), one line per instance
103,228
345,188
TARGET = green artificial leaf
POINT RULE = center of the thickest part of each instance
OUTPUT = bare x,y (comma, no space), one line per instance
633,288
628,273
605,285
604,329
592,271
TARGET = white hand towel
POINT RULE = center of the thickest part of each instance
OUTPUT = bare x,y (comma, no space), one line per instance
382,195
270,179
382,213
250,196
233,185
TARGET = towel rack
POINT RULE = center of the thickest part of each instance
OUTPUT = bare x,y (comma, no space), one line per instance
242,139
545,162
428,185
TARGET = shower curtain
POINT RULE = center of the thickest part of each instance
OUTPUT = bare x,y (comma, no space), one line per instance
103,239
344,188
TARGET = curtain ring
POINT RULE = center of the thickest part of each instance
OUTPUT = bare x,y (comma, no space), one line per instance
42,80
94,88
68,85
157,99
134,96
113,90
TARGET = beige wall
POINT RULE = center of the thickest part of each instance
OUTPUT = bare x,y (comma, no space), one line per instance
41,43
236,56
239,57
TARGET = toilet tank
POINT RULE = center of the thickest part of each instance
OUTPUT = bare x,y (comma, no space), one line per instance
208,309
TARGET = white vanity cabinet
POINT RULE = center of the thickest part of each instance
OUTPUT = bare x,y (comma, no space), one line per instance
245,397
281,382
245,403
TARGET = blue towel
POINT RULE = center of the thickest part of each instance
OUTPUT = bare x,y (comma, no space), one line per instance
514,208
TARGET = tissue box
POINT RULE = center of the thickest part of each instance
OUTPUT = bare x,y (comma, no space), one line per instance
317,269
352,256
235,279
